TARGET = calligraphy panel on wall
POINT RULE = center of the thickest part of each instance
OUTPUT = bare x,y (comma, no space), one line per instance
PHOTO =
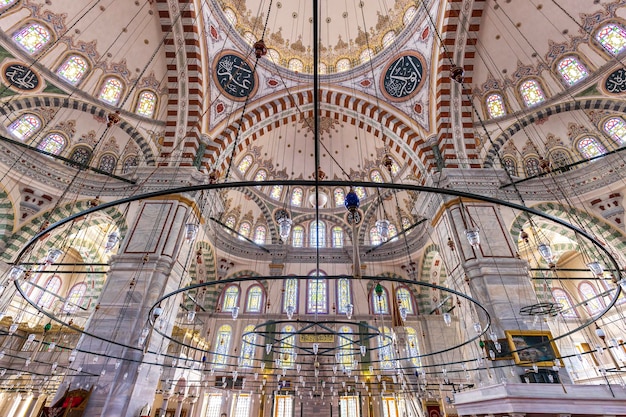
234,76
20,77
615,83
402,77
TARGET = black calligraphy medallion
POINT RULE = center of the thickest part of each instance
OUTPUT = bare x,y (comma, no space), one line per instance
21,77
402,78
615,83
235,77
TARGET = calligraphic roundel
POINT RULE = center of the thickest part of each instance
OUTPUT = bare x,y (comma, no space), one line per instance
20,77
234,76
615,83
402,77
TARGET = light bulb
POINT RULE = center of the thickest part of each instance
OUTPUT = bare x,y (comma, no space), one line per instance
545,251
473,237
316,347
268,349
363,350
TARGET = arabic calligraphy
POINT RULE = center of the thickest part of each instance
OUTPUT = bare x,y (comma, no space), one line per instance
235,76
403,77
21,77
615,83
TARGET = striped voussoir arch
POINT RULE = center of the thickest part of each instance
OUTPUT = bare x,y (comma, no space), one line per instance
7,217
268,116
36,102
183,53
605,104
461,22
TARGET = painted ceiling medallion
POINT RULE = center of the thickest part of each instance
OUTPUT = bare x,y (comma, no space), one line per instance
20,77
234,76
403,76
615,83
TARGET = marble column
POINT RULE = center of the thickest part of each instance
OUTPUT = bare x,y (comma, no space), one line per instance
192,406
179,405
166,398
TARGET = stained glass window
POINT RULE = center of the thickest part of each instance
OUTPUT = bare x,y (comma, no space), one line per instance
230,299
360,191
345,341
409,15
380,303
495,105
261,175
296,65
589,147
33,37
213,404
111,90
349,406
53,143
317,296
317,234
245,164
413,346
24,127
248,341
563,298
50,294
146,103
340,197
107,163
572,70
231,221
297,237
590,298
343,65
532,167
532,94
73,69
222,345
510,166
560,158
375,238
344,297
366,55
612,37
129,164
393,232
277,191
337,237
395,168
287,346
406,223
259,235
81,155
404,299
242,405
244,230
616,129
385,351
376,176
291,294
75,298
296,197
230,16
255,299
6,3
283,406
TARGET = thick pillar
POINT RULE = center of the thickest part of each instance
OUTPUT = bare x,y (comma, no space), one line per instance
166,398
179,405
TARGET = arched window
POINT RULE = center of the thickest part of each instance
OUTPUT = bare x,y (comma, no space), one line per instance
385,350
317,234
296,197
230,298
590,299
589,147
75,297
261,175
393,232
32,37
406,223
222,345
5,4
340,197
53,143
409,15
246,360
259,235
290,294
403,295
81,155
531,92
495,105
376,176
50,294
317,295
563,298
296,65
107,163
111,90
277,192
245,163
413,346
254,303
360,191
297,237
612,37
380,303
532,167
344,296
287,347
616,129
244,230
146,103
389,38
73,69
560,158
572,70
375,238
510,166
366,55
342,65
337,232
345,343
395,168
24,127
231,221
129,163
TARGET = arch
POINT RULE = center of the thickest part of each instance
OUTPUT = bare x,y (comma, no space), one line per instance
385,351
317,294
379,304
532,166
494,102
107,163
297,195
248,347
290,294
317,234
510,165
46,298
147,102
615,127
222,346
344,344
287,347
245,164
25,126
571,69
337,236
80,156
589,297
111,90
564,299
405,299
589,147
230,298
53,143
412,342
255,296
531,92
297,236
260,232
33,36
74,68
75,297
611,37
344,295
